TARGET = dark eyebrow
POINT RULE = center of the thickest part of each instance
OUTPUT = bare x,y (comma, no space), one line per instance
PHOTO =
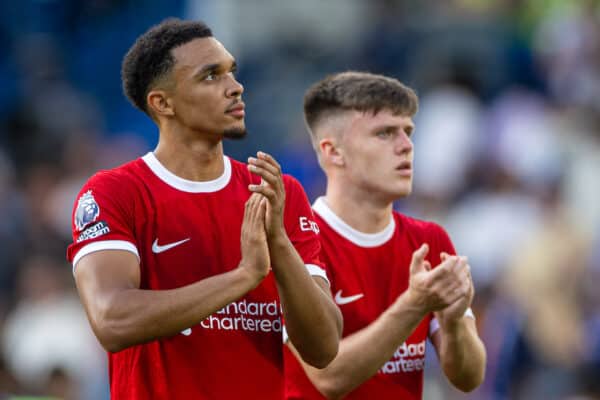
386,128
394,128
207,68
213,68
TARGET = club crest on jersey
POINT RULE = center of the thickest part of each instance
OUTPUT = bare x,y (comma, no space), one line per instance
87,210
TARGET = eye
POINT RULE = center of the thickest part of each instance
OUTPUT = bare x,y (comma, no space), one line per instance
384,134
211,76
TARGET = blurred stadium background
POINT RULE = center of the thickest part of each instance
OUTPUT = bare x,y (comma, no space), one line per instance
507,159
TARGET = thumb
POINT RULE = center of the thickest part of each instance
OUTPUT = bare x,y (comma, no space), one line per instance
418,258
427,265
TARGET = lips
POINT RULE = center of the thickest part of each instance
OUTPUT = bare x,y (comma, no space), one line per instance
236,108
405,165
404,169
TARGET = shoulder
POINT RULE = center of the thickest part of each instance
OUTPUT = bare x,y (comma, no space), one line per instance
294,191
113,186
240,172
292,183
122,174
236,165
421,231
425,229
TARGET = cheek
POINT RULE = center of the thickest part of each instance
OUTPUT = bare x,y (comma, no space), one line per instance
363,161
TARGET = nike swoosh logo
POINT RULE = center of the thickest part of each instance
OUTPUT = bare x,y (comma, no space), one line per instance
348,299
186,332
156,248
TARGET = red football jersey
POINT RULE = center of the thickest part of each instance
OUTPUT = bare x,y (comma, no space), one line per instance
184,231
367,273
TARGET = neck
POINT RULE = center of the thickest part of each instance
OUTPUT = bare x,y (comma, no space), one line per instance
192,158
361,210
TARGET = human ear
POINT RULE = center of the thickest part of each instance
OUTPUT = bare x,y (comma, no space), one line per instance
331,152
160,103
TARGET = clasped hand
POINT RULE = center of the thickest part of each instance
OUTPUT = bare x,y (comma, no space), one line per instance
272,188
446,289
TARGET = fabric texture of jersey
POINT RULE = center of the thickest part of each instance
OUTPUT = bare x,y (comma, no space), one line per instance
367,272
184,231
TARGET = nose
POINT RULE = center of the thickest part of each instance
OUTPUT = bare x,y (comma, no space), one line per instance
235,89
403,144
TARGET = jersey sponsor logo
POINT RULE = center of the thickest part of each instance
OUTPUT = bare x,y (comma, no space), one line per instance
244,315
87,211
156,248
407,358
308,225
341,300
94,231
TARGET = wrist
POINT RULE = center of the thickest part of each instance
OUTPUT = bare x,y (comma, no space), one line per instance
451,325
410,302
249,275
277,237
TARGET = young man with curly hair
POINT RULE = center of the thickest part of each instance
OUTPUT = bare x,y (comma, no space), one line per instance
186,261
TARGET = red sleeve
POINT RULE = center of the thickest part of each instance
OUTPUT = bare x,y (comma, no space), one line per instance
102,217
301,227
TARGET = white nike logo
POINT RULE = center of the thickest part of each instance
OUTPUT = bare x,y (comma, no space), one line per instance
159,249
187,332
345,300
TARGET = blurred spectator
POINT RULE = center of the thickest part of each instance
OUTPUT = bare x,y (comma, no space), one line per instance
47,340
543,280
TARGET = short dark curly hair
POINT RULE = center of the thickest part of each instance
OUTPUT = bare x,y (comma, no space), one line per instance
150,57
360,91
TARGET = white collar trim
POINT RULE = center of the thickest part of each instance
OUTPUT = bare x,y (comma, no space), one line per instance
321,207
186,185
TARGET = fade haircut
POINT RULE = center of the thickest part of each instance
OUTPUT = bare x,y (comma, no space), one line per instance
359,91
150,58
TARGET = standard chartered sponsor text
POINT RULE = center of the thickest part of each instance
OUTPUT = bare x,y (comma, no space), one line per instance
407,358
247,316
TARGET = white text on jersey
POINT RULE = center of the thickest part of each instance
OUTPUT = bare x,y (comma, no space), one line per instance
308,225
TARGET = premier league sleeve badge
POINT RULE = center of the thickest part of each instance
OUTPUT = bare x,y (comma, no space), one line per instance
87,211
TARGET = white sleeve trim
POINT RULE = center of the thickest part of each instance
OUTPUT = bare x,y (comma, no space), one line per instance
315,270
434,325
105,245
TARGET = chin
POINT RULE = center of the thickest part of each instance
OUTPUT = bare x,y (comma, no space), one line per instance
235,132
402,192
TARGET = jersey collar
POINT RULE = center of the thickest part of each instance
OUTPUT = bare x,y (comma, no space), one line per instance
358,238
186,185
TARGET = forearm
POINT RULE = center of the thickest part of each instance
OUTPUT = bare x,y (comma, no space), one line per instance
462,354
364,352
126,317
313,321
